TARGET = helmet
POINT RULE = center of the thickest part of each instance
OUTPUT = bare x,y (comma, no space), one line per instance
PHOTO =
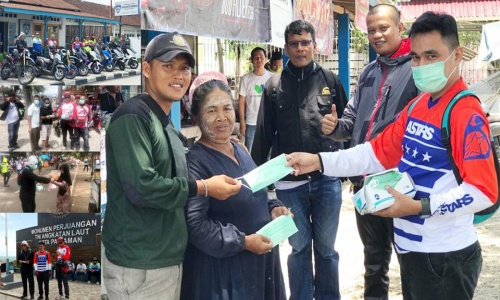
66,94
60,239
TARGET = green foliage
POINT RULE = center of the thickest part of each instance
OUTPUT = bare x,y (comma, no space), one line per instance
359,40
469,39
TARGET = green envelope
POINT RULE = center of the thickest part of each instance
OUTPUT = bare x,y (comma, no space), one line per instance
268,173
279,229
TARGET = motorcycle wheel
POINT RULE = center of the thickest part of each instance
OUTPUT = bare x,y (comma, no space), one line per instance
6,70
96,68
133,64
121,65
109,67
26,74
70,72
83,70
59,73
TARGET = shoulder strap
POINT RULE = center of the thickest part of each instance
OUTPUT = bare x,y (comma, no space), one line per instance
445,130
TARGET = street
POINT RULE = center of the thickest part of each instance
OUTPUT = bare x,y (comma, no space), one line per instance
46,200
127,77
54,141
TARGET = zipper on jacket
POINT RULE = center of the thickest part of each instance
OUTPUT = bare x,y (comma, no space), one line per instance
377,105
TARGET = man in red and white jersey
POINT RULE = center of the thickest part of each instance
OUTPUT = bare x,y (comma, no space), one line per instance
63,269
434,234
43,266
83,117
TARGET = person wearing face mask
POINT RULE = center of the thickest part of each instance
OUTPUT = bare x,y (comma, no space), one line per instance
384,88
64,183
34,123
67,113
83,117
222,235
434,234
47,117
28,182
13,113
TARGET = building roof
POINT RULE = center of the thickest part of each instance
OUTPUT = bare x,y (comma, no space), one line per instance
59,4
462,10
104,11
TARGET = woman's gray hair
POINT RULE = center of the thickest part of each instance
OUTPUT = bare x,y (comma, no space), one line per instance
201,92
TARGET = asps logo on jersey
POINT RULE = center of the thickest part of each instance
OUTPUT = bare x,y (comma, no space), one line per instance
419,130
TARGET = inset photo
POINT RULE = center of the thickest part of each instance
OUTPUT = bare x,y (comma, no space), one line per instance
48,256
39,118
50,182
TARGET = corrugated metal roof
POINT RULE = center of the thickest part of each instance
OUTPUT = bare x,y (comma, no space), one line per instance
460,9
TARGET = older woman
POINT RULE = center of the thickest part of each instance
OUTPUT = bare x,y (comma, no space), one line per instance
225,258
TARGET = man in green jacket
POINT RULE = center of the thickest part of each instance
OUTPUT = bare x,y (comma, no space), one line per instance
145,232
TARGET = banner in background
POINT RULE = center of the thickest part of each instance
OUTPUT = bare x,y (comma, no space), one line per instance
243,20
320,14
362,7
489,48
126,8
281,16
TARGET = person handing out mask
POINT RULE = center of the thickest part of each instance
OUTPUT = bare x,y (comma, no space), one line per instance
28,182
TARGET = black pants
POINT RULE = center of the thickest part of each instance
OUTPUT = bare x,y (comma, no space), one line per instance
86,167
376,233
6,177
96,274
28,204
62,278
27,278
441,276
66,127
43,280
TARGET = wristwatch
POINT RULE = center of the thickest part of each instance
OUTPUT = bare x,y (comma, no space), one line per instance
426,207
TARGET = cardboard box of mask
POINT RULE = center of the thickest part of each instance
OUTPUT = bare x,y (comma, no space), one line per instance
373,196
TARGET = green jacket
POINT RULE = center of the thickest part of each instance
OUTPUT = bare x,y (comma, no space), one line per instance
147,188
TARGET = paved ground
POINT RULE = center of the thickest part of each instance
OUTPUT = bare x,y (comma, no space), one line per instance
132,77
46,200
77,290
56,142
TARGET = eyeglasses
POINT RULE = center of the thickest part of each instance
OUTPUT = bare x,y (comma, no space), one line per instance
304,43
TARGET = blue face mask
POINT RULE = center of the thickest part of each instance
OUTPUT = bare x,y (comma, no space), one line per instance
430,78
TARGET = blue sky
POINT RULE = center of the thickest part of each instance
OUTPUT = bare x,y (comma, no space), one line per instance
15,221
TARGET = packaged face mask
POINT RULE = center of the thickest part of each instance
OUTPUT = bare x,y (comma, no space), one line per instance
267,174
373,196
39,187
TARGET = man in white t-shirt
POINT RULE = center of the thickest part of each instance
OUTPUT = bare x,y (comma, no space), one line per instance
34,123
13,112
251,90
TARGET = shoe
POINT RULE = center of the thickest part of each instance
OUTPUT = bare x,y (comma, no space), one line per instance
32,297
88,281
271,188
67,297
16,147
39,298
24,296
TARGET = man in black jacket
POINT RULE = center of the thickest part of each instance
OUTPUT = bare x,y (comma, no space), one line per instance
25,259
28,182
383,90
13,112
290,115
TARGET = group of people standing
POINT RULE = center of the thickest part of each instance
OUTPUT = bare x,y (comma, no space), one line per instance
40,263
205,244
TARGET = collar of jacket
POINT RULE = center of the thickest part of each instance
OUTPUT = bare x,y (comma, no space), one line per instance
156,108
401,55
301,73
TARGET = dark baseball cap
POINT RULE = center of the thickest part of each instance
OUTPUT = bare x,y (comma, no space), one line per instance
166,46
11,93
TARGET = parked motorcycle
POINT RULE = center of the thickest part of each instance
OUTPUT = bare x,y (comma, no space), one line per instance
92,63
70,70
106,59
80,64
50,66
130,59
19,65
117,55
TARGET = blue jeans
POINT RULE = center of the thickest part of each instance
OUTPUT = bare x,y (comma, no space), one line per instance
316,207
441,276
82,132
249,135
13,129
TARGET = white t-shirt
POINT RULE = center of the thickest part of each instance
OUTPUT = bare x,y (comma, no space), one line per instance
67,109
81,267
252,87
12,115
34,113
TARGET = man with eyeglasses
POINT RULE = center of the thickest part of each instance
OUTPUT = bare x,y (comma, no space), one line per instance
384,88
63,253
145,232
290,115
251,90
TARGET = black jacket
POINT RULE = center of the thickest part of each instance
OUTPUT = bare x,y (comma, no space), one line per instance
28,184
46,111
5,106
290,114
26,255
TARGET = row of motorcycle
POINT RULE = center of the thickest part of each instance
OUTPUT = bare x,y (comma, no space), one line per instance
67,63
